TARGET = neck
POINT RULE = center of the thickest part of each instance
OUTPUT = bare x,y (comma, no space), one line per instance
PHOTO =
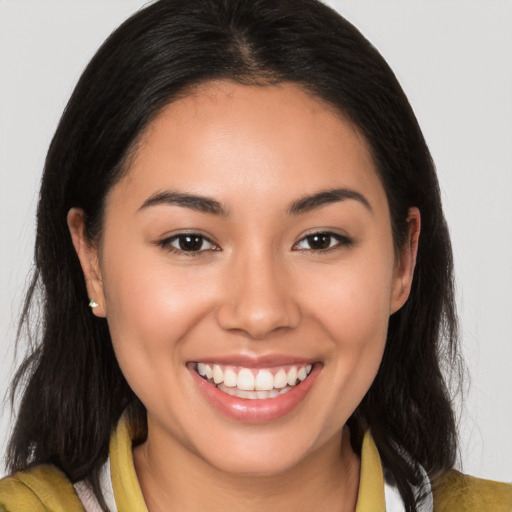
174,479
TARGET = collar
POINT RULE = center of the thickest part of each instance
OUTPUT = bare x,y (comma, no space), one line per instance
371,481
374,493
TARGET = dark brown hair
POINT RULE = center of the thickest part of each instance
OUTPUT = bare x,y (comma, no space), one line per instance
72,390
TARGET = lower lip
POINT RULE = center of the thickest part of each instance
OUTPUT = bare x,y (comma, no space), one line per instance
256,411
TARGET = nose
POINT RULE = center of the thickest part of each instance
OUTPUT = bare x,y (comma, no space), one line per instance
258,299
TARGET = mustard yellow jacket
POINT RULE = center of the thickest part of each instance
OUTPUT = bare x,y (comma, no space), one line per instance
46,489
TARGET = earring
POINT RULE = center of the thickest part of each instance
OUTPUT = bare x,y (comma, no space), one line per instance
93,304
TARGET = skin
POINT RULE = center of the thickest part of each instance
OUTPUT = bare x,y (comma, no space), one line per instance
257,289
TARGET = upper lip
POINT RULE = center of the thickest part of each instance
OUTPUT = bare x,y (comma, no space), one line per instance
256,361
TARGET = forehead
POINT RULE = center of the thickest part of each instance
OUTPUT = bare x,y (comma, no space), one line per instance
227,140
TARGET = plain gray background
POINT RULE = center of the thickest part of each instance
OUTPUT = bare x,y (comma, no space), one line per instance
454,60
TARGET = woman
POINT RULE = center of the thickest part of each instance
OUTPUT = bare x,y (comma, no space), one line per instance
237,191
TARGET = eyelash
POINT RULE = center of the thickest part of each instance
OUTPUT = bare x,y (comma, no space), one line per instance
340,241
166,244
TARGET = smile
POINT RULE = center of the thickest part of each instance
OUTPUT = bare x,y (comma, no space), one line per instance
253,383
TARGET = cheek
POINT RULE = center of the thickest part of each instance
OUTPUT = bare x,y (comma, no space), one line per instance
150,307
353,301
352,305
152,310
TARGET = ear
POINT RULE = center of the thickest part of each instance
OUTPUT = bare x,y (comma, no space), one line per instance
406,262
87,253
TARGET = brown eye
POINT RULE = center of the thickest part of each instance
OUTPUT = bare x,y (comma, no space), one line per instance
190,242
319,241
322,241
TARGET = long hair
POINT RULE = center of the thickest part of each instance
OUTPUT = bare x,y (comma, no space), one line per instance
72,390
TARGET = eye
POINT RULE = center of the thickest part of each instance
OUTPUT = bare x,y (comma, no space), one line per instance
188,243
322,241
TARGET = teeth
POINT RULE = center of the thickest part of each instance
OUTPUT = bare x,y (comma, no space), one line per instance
264,381
253,384
229,391
230,378
205,370
218,374
280,379
245,380
201,369
254,395
292,376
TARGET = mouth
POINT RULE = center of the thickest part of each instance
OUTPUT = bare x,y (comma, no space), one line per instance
253,383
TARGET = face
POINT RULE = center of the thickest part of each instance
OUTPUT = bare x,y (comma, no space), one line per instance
247,272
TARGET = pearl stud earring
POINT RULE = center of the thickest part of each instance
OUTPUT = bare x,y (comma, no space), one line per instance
93,304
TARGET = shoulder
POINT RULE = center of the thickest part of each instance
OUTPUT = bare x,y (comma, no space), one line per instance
42,488
456,491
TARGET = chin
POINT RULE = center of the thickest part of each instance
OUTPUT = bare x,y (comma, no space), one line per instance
269,452
257,464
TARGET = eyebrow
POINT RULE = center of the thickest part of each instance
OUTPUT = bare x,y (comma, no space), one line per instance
325,197
201,204
210,206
